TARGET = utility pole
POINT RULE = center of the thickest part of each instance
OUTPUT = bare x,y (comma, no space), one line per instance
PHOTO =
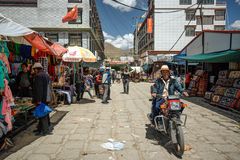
135,51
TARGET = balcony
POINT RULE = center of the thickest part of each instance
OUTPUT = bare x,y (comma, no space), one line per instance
221,3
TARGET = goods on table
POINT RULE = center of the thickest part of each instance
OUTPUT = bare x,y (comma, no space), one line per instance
226,92
198,84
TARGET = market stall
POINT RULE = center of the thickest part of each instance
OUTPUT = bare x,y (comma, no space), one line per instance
19,44
74,56
219,54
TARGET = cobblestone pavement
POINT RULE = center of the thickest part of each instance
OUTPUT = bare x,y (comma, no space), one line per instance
86,126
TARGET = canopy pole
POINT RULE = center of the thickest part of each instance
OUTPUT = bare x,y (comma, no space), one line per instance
74,73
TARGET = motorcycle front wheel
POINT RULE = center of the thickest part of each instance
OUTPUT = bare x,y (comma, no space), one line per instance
179,147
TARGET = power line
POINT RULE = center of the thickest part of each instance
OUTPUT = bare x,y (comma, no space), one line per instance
185,28
144,10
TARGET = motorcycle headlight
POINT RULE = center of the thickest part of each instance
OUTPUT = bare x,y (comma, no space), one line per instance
175,106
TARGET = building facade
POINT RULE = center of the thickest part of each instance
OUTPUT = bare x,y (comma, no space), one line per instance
45,17
172,17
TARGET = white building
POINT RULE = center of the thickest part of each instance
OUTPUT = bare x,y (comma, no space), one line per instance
167,27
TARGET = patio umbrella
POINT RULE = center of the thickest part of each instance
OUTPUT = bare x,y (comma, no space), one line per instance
77,54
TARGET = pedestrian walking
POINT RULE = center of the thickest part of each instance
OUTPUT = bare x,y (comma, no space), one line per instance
125,79
106,81
98,82
113,76
40,92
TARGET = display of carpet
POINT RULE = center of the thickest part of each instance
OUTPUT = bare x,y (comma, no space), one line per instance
226,92
198,84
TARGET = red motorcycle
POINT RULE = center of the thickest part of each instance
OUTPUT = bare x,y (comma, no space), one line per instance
169,121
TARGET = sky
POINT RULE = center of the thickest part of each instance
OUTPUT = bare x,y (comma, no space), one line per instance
118,22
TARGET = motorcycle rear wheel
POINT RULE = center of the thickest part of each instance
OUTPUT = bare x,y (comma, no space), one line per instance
179,147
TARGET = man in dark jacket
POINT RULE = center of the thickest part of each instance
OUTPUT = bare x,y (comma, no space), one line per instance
125,79
40,89
164,86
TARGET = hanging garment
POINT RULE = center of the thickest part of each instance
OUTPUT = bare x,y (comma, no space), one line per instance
33,51
17,48
25,51
3,74
11,57
4,58
1,115
15,68
7,92
11,47
4,48
6,112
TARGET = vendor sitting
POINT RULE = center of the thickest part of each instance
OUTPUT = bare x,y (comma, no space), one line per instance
23,82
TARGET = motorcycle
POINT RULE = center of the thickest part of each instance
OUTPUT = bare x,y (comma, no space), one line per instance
169,121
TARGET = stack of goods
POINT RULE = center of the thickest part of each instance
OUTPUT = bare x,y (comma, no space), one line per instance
198,84
226,92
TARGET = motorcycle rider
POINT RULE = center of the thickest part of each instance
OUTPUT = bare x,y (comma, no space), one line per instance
164,86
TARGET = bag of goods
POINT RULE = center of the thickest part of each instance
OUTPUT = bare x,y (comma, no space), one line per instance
234,74
215,99
236,83
213,88
219,90
227,102
232,92
223,74
208,95
199,72
196,78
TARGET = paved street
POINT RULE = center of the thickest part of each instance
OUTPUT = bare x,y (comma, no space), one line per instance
86,126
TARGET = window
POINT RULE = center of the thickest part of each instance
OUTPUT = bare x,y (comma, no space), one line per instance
219,28
74,1
190,15
19,3
206,1
190,31
75,39
185,2
207,20
220,15
52,36
79,19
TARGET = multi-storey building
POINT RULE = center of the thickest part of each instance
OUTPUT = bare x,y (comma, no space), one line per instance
45,16
168,25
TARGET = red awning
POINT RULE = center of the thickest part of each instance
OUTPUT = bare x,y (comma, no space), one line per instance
37,41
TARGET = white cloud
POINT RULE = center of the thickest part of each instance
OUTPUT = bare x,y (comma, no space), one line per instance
107,36
238,2
123,42
236,24
121,7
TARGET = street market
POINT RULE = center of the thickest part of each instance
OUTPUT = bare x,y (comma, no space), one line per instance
119,80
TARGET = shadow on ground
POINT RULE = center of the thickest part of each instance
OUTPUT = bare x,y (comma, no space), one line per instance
204,103
85,101
159,138
26,136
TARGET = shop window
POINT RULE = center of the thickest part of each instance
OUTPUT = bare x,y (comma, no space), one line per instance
190,15
74,1
75,39
18,3
219,28
190,31
207,20
52,36
185,2
79,19
206,1
220,15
